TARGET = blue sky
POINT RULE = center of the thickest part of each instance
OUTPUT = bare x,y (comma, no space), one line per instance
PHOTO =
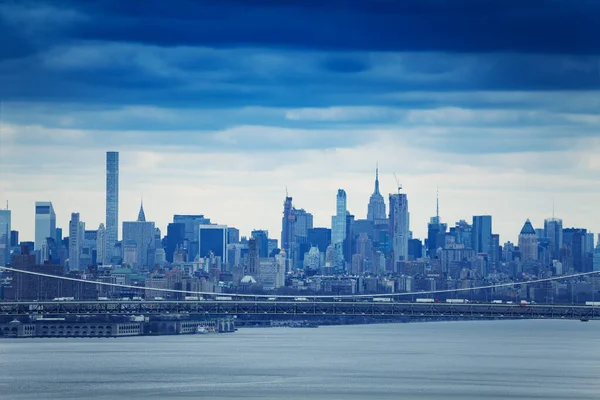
217,106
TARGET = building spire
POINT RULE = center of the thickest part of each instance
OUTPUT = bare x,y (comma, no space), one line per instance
437,203
141,214
377,178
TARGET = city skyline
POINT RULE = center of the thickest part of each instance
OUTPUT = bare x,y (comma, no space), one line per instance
165,215
501,116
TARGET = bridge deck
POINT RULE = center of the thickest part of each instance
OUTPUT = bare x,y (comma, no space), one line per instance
303,308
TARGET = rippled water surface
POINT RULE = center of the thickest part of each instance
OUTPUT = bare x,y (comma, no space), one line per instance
436,360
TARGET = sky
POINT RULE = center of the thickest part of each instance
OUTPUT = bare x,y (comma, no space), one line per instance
216,107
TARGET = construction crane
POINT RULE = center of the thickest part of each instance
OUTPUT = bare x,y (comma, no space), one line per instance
398,183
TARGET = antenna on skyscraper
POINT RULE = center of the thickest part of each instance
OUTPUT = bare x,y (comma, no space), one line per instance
397,183
437,202
286,192
552,207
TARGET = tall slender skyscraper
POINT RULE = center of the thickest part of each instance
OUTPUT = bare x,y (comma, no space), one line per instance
5,219
76,230
338,229
399,226
287,225
112,201
101,255
45,223
376,210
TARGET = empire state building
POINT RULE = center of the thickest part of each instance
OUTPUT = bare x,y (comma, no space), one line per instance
376,210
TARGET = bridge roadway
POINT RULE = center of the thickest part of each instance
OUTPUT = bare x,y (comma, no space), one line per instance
302,308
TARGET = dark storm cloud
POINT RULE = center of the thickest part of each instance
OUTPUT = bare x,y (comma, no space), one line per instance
376,25
291,53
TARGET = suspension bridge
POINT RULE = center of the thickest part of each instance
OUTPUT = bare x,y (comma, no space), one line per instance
367,305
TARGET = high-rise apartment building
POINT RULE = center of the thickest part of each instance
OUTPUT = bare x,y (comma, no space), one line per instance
399,226
5,236
287,225
112,202
482,233
45,223
376,209
338,229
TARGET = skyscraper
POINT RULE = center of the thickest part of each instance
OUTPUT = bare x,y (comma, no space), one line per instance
5,234
262,237
553,230
192,224
596,256
376,210
295,224
338,229
101,249
213,239
253,260
436,232
399,226
112,201
528,243
75,241
139,241
482,233
174,239
286,225
45,223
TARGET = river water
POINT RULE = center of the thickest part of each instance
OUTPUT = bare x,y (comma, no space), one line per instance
436,360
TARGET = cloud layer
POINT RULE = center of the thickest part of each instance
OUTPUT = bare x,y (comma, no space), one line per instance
217,106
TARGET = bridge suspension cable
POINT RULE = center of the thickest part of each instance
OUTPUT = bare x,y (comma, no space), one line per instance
430,292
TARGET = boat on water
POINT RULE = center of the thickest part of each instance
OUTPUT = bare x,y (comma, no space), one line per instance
202,330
